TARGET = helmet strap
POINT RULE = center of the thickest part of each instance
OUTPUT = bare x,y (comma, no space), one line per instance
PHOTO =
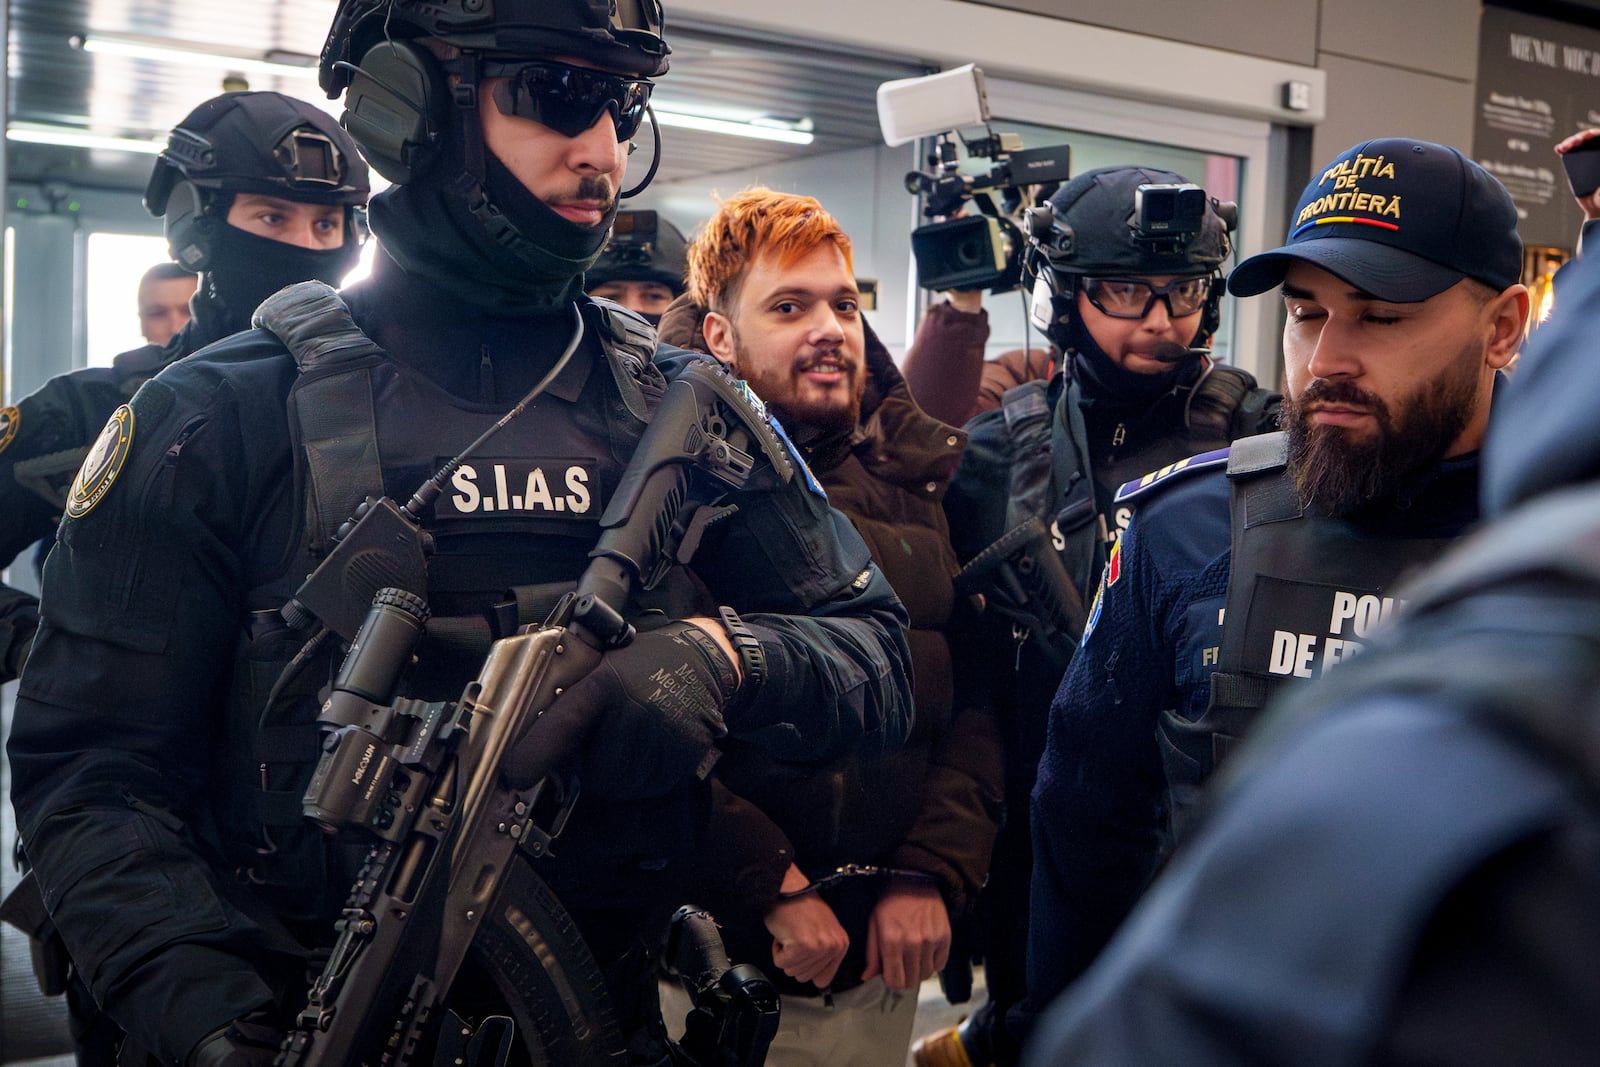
468,99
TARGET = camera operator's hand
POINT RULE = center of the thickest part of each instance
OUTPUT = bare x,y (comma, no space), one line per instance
653,709
251,1041
969,301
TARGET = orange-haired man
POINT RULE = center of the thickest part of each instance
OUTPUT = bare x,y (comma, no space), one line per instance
842,880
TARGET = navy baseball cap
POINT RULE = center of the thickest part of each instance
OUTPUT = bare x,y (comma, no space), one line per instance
1403,220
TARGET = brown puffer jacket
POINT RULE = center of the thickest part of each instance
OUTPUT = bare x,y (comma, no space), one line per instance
931,807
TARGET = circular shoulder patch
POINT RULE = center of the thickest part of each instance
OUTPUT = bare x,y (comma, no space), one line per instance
10,419
103,463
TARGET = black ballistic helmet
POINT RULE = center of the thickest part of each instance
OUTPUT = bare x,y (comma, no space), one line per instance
644,247
617,35
251,142
1095,232
1105,222
412,72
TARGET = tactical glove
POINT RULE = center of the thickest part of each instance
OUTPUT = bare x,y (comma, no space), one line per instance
653,712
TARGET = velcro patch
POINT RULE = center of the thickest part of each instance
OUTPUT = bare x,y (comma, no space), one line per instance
546,486
103,463
1095,610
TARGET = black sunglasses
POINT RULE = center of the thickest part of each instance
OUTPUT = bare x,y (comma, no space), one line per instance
569,99
1132,298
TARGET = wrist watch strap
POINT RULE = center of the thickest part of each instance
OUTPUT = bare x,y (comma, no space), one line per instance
752,660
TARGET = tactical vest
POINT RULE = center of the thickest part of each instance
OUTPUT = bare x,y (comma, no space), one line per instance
363,426
1042,572
1504,632
1506,628
1304,593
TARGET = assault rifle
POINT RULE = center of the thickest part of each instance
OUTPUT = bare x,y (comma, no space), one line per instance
1025,582
423,780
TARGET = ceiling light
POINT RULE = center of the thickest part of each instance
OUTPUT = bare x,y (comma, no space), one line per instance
762,129
67,137
298,65
277,64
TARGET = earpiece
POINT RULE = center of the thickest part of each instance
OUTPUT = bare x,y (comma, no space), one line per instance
189,229
396,108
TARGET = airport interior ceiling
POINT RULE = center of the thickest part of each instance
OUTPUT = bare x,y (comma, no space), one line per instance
127,70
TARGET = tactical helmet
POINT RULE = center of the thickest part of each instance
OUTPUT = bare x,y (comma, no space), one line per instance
644,247
1094,226
618,35
251,142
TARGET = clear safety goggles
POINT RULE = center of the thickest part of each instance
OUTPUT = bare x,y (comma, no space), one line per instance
1132,298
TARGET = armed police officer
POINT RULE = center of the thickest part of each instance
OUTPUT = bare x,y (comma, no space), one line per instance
642,267
1250,568
166,730
257,191
1031,507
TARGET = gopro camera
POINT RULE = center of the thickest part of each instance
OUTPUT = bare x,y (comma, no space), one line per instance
1163,210
633,238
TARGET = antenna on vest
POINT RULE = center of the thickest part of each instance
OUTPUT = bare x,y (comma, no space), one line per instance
429,491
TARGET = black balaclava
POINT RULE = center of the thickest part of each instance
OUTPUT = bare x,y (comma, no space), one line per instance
1107,384
246,268
428,228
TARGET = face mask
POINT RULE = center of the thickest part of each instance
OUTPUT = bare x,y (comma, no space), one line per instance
247,268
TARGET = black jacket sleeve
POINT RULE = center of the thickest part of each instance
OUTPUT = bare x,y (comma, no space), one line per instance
831,628
45,431
119,712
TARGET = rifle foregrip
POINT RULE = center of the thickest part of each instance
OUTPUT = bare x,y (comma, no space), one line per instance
694,948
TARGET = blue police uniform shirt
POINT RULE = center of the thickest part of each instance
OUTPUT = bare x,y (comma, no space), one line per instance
1163,589
1099,818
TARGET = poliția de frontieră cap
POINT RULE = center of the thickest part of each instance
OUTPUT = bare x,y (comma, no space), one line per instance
1403,220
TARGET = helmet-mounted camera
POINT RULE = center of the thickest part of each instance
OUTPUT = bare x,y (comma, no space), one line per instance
981,251
1168,216
643,247
1125,222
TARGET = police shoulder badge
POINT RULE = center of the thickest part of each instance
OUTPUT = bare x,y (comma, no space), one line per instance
1172,472
10,419
103,463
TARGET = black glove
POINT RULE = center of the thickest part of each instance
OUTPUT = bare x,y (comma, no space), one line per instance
651,712
251,1041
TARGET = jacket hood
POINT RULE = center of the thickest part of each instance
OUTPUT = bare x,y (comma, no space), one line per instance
1541,432
924,449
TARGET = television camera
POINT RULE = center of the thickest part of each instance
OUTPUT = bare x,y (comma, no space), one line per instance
982,251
